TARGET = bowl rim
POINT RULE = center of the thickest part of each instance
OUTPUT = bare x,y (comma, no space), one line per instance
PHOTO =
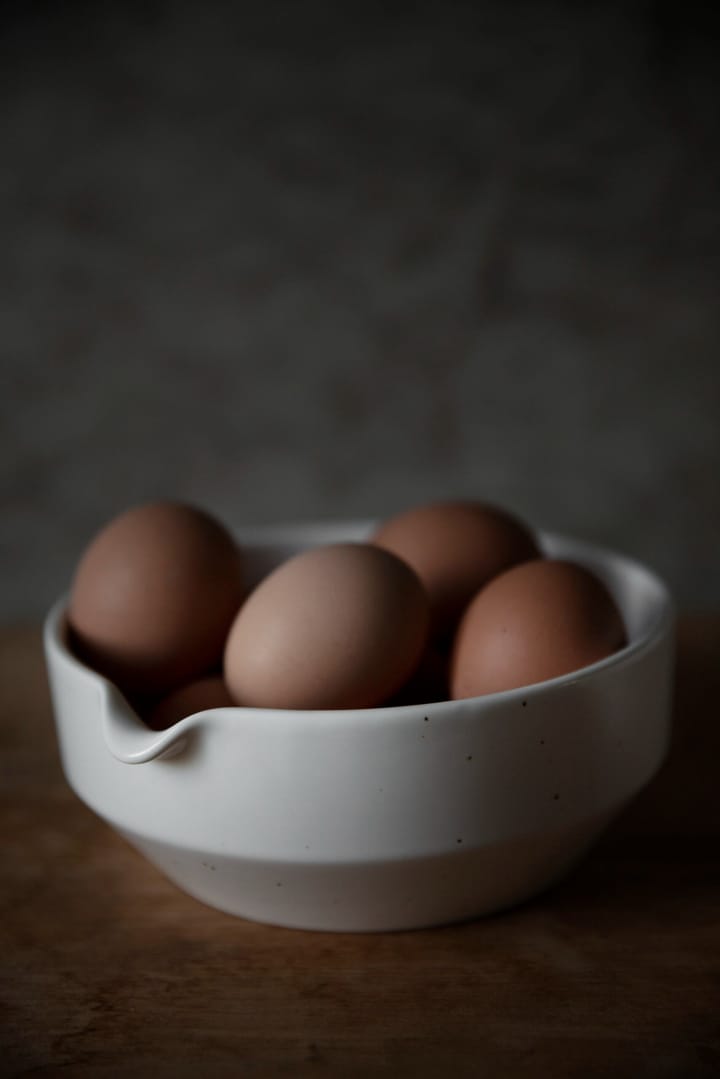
305,534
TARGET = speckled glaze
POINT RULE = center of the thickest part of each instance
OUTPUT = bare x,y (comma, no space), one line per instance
386,818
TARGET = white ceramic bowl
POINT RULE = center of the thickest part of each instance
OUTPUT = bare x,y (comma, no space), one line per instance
385,818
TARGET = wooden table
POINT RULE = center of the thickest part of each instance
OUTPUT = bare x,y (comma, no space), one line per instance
108,970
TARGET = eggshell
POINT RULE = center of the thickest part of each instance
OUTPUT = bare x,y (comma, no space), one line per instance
340,626
154,596
195,697
455,548
533,622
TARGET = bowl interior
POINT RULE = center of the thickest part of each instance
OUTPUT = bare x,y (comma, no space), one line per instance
642,597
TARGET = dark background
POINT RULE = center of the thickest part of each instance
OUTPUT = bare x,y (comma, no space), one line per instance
291,260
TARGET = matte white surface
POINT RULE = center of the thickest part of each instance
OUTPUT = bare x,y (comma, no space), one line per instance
380,818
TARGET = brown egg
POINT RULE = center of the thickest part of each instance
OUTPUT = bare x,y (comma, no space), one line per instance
533,622
340,626
195,697
455,548
154,596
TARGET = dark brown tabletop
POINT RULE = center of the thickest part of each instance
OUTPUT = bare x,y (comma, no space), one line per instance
107,969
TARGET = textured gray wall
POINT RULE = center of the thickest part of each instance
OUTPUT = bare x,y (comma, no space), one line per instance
308,259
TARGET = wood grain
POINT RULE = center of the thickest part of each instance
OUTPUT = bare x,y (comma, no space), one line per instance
107,969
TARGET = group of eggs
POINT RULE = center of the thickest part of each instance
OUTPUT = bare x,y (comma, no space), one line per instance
448,600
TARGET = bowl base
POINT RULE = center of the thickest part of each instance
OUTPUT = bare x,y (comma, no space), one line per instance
357,897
